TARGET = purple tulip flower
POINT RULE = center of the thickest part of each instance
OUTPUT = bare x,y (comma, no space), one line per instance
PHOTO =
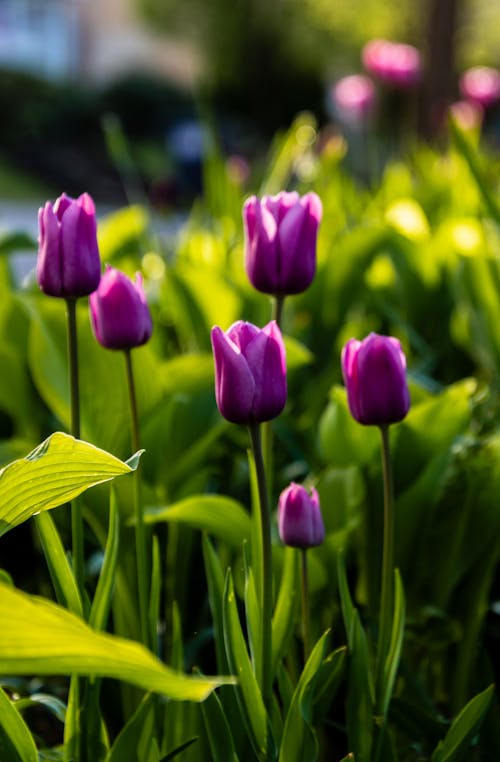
395,64
119,312
280,241
68,263
250,372
300,522
374,373
481,86
354,98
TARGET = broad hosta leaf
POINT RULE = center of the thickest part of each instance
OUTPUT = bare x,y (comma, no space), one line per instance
39,637
55,472
221,516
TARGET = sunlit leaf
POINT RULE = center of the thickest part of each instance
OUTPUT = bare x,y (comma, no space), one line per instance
58,470
39,637
221,516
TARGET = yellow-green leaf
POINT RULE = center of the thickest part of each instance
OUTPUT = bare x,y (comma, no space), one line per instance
55,472
39,637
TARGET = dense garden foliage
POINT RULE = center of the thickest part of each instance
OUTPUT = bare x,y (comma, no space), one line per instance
413,253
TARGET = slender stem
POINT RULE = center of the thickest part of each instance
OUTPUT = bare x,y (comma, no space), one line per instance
266,571
140,531
305,605
277,313
387,582
74,385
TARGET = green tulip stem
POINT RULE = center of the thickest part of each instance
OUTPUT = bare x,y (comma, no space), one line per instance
387,582
306,635
140,531
277,313
74,385
266,569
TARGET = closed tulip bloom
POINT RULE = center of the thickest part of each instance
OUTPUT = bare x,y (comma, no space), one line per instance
395,64
250,372
300,522
280,241
68,263
374,373
481,85
354,98
119,312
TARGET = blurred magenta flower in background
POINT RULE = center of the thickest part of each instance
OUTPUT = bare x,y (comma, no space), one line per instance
119,312
280,241
467,114
300,522
354,98
481,85
394,64
374,372
250,372
68,263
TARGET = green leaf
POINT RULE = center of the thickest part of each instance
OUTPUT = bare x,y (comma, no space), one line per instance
53,704
58,470
14,240
215,582
360,695
343,441
253,615
134,740
221,516
248,692
392,660
60,570
218,730
39,637
122,231
16,741
299,741
101,603
286,606
297,354
456,743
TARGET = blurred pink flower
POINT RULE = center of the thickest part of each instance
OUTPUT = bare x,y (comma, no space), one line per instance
393,63
354,98
481,85
467,114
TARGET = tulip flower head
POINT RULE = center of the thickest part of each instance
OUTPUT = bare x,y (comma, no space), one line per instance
374,372
280,241
394,64
250,372
68,262
354,98
481,85
119,312
300,522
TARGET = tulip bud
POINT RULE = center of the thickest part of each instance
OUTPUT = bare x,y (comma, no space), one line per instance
119,312
354,99
68,263
481,85
250,372
280,241
300,522
374,373
393,63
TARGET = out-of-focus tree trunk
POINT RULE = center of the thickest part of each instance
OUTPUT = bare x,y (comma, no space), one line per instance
439,85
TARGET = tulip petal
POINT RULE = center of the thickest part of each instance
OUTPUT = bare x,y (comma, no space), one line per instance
266,357
49,262
234,382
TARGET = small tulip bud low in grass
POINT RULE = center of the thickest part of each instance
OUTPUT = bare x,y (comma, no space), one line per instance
300,522
119,312
374,373
68,263
250,372
280,241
